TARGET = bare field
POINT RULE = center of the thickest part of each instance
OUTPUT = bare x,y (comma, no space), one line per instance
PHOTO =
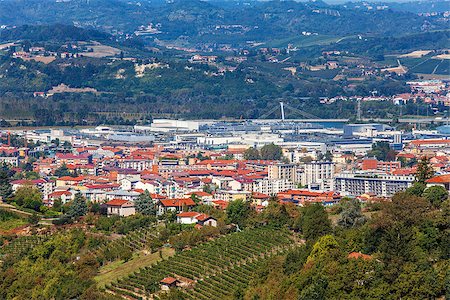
416,54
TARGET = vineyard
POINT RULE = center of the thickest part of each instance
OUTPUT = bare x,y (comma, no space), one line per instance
144,238
212,270
22,245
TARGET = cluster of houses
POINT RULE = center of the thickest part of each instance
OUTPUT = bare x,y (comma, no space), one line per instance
178,180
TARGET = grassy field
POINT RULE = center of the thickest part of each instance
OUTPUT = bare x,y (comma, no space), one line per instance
119,269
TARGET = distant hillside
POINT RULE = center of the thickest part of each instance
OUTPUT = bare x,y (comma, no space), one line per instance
217,21
55,32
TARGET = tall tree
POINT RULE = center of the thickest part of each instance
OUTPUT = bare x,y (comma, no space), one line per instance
28,196
351,215
435,195
251,154
78,207
144,204
238,211
6,190
62,171
271,152
314,221
424,170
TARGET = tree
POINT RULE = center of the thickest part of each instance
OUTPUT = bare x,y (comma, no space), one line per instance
62,171
328,156
271,152
424,170
351,215
6,190
28,196
78,207
382,151
314,221
435,195
275,214
251,154
238,211
34,219
144,204
325,247
416,189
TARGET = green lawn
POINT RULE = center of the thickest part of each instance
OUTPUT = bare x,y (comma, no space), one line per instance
118,269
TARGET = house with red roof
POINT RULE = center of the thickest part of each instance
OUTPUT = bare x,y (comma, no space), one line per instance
168,283
192,217
65,197
301,197
220,204
440,180
69,181
175,205
73,159
120,207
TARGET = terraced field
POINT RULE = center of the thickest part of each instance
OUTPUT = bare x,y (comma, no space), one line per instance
213,270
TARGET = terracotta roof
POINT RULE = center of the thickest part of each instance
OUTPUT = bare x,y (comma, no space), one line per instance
257,195
68,178
169,280
202,217
188,214
425,142
199,194
177,202
223,204
116,202
59,194
440,179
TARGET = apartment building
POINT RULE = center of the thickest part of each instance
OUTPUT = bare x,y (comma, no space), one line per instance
317,175
355,184
282,171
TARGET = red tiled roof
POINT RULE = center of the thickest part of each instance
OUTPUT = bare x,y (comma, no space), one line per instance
202,217
177,202
257,195
102,186
168,280
116,202
59,194
425,142
68,178
188,214
440,179
199,194
223,204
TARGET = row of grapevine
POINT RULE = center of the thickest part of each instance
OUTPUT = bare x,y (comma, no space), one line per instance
227,254
226,284
140,239
22,244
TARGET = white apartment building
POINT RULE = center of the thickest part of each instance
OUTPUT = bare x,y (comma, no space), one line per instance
272,186
355,184
317,174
